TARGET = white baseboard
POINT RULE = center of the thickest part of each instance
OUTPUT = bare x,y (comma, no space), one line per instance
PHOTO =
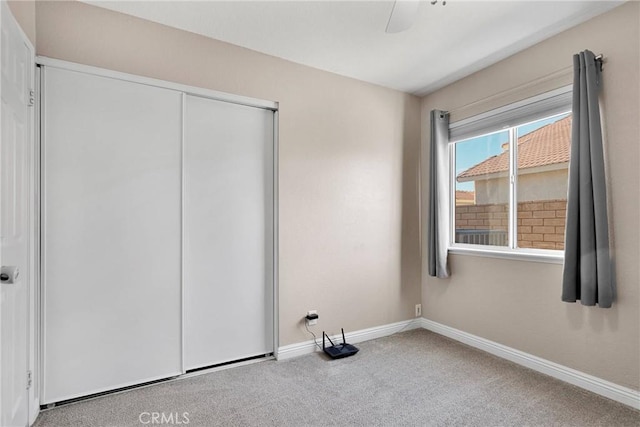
588,382
307,347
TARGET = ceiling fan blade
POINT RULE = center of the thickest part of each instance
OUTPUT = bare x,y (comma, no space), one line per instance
402,16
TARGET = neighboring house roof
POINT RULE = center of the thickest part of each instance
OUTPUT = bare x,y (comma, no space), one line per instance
545,146
465,195
465,198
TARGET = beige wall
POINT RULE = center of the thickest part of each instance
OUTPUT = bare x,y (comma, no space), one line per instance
517,303
349,244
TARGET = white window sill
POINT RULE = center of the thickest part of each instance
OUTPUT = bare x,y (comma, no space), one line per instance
535,255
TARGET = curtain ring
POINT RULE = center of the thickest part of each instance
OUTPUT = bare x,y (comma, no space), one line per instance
600,61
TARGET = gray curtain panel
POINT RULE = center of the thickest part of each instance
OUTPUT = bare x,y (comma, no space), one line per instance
438,222
587,274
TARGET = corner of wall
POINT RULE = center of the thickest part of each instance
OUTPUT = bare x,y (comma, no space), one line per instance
25,13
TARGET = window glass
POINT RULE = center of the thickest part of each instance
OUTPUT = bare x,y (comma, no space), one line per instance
487,188
482,190
543,166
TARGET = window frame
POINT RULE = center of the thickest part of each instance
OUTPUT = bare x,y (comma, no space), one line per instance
509,118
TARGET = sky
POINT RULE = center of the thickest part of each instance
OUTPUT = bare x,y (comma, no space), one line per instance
475,150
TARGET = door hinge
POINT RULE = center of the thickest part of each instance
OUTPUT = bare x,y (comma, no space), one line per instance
32,98
29,379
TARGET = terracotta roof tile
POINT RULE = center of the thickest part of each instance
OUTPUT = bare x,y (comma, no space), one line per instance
545,146
465,195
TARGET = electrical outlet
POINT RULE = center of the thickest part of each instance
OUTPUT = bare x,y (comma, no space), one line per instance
311,322
418,310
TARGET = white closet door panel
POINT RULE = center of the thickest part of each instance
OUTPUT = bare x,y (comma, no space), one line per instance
112,269
228,231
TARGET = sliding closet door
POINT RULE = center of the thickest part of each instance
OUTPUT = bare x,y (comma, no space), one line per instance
228,232
111,217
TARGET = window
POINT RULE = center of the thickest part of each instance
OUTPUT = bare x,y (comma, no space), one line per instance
509,179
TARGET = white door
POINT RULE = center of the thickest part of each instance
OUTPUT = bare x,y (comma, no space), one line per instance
111,154
228,232
16,65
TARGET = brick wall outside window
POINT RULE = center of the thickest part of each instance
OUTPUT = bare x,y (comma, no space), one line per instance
540,223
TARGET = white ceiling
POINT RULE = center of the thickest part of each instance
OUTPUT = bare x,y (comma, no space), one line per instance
445,43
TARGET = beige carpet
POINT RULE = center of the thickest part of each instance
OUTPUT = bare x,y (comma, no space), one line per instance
408,379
